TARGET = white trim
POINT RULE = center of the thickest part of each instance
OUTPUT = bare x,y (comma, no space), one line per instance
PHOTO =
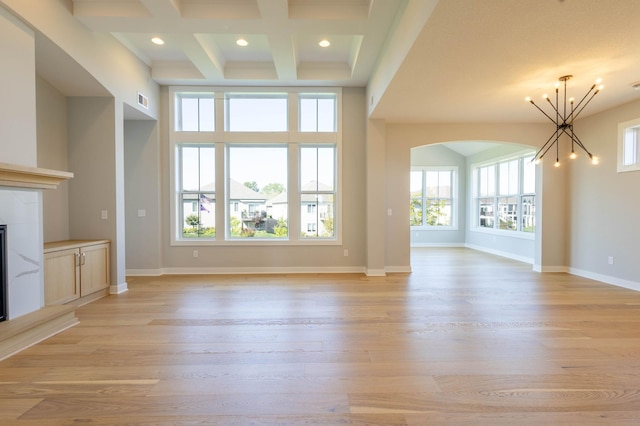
418,245
375,272
263,270
119,288
505,233
553,269
501,253
607,279
398,269
144,272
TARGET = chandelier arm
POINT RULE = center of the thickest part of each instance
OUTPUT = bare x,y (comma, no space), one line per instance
555,107
547,145
581,145
586,95
584,106
542,111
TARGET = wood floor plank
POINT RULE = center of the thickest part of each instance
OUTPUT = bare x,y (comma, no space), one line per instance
466,338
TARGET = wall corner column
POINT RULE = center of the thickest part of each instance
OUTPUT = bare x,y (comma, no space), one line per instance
376,201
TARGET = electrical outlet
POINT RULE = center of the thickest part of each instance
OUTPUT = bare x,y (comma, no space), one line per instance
346,252
195,253
610,260
104,215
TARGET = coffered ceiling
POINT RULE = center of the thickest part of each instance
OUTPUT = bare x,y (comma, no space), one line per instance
200,38
463,61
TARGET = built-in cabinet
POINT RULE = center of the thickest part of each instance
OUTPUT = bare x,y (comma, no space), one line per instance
76,271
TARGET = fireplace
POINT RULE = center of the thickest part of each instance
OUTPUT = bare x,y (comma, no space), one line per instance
3,272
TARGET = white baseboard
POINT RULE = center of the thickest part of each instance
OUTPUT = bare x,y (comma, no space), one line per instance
418,245
501,253
376,272
631,285
119,288
397,269
264,270
144,272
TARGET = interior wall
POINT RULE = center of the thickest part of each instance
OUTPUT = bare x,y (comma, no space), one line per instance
17,85
604,204
440,156
92,157
105,58
142,197
20,209
51,107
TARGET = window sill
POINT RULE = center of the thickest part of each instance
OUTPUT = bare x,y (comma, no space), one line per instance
505,233
254,243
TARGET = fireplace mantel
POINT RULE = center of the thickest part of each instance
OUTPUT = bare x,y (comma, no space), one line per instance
15,175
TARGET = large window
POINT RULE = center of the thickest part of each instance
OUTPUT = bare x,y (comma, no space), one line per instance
269,175
505,195
317,191
258,205
433,193
197,191
629,146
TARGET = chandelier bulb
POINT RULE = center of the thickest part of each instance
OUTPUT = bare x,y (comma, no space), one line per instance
573,155
598,80
557,164
545,96
594,160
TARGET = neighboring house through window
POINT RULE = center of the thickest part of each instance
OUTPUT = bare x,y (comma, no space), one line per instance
505,194
433,197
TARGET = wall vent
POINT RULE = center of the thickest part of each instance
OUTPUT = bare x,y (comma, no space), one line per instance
143,101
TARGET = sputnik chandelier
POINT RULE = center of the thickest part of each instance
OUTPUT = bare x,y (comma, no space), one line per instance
564,121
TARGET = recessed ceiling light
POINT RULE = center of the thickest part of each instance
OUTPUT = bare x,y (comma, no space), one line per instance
242,42
157,40
324,43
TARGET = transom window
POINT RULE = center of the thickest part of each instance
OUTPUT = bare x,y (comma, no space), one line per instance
629,146
195,112
433,193
256,112
270,175
505,195
317,112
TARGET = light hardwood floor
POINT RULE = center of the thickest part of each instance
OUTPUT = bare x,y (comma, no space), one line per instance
467,338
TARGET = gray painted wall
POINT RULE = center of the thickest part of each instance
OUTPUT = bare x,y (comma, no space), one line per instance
142,193
51,107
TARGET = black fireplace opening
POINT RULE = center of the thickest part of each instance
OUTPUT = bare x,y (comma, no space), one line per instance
3,272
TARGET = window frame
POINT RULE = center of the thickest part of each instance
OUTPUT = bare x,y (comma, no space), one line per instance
222,138
628,129
454,198
495,195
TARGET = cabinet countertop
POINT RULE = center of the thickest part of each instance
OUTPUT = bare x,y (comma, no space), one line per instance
71,244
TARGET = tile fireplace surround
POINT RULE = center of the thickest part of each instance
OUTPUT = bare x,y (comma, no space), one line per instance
21,210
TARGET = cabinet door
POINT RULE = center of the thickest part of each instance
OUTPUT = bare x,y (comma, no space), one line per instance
94,269
61,276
